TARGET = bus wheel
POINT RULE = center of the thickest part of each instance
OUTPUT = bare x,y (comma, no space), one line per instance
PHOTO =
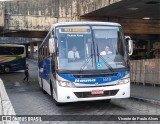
56,103
7,69
42,87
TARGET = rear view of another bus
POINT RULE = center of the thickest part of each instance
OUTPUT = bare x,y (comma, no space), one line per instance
12,57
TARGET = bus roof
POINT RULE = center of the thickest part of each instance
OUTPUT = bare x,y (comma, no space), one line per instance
86,23
11,45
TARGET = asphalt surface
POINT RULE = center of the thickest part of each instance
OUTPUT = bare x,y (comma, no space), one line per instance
28,99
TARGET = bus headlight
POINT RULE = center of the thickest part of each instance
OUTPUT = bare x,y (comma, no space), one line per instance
124,81
66,84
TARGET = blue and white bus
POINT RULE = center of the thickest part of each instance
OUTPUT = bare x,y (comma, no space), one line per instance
93,76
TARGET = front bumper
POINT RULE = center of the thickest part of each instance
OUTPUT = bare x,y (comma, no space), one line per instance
65,94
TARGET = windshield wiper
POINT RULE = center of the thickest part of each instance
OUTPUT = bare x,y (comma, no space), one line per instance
105,62
88,59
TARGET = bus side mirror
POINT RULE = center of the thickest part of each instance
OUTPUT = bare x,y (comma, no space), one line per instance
51,46
130,45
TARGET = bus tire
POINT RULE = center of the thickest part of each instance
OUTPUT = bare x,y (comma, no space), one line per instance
42,87
56,103
7,69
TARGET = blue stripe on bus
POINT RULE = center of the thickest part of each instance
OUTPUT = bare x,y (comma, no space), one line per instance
99,80
46,68
15,65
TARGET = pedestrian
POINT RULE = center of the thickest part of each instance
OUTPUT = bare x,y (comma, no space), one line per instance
26,73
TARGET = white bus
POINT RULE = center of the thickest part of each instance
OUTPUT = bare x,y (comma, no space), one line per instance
98,71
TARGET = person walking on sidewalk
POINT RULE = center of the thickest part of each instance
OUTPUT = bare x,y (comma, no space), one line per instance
26,73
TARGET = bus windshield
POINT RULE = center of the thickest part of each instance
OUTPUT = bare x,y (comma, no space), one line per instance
11,50
90,48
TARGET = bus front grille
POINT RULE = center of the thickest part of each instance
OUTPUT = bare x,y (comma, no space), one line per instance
88,94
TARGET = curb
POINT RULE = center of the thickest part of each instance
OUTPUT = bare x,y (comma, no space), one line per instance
0,108
156,102
6,107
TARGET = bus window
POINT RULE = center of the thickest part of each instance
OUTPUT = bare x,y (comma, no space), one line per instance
62,50
11,50
79,45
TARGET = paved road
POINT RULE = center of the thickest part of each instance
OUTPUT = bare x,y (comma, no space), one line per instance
28,99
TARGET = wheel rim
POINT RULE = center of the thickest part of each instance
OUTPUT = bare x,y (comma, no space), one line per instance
7,69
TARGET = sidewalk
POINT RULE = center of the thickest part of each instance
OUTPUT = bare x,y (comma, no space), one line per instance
145,93
6,108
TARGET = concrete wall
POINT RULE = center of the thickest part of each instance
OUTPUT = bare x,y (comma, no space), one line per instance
16,40
1,16
38,14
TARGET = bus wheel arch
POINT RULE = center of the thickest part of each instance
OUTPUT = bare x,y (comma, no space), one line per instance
41,83
51,91
51,88
42,86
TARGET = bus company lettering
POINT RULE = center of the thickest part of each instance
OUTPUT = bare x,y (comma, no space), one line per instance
85,80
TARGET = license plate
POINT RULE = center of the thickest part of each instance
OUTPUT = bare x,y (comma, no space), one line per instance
97,92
